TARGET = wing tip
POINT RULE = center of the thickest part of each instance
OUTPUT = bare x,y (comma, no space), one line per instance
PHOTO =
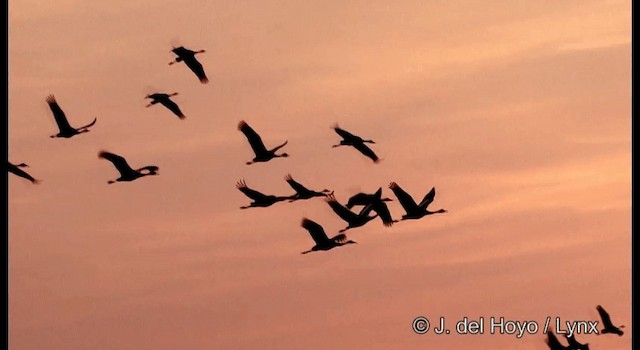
51,99
330,198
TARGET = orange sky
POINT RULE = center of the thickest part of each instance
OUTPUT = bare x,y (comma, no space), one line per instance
517,112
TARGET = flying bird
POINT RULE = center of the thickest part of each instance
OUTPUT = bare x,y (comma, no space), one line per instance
606,322
349,139
353,219
413,210
261,152
165,100
380,207
554,343
15,169
303,192
189,58
66,130
259,199
126,172
574,344
320,237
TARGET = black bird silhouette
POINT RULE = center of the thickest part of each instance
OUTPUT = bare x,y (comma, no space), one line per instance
554,343
126,172
606,322
66,130
189,58
574,344
15,168
261,152
165,100
320,237
364,199
349,139
380,207
414,211
259,199
303,192
353,219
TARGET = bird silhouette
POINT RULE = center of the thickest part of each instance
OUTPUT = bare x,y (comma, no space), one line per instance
261,152
574,344
363,199
606,322
352,219
554,343
303,192
66,130
15,169
165,100
320,237
349,139
259,199
380,207
189,58
413,210
126,172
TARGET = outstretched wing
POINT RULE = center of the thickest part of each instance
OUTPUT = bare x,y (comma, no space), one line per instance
296,185
573,343
279,146
364,149
315,230
196,67
341,238
88,125
253,194
404,198
347,136
428,198
16,170
382,209
554,343
58,115
359,199
254,139
172,106
606,320
119,162
344,213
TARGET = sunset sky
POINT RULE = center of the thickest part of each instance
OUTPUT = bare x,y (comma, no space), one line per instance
517,112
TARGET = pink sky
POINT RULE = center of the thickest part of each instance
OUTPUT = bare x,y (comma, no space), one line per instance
517,112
